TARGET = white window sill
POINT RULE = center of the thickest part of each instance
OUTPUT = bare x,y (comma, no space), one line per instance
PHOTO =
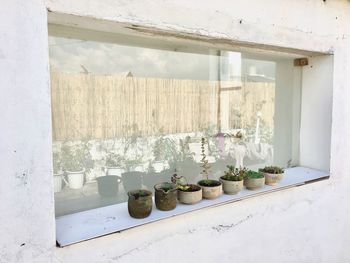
98,222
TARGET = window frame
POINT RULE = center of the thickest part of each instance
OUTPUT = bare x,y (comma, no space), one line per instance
68,230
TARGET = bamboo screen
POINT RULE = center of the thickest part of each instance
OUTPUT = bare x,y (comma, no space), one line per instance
88,106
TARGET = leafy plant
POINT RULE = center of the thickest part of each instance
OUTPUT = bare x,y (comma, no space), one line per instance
180,181
205,163
184,152
272,170
114,160
131,141
164,149
132,163
254,175
158,150
77,157
235,174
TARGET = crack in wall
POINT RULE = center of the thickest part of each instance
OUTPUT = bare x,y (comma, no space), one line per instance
219,228
223,228
150,243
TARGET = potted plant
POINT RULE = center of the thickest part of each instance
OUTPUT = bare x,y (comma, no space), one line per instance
114,164
139,203
186,193
273,174
211,188
108,185
57,172
232,180
165,196
134,164
76,161
254,180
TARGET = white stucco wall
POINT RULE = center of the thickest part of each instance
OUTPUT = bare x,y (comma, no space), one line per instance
305,224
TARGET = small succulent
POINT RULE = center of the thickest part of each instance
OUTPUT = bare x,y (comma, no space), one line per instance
180,181
272,170
235,174
142,193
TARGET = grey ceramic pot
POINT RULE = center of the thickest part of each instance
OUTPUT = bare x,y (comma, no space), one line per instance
140,203
165,196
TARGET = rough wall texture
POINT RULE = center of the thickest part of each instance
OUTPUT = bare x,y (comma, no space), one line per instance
27,226
305,224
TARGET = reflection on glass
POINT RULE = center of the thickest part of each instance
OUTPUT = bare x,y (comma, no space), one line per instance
127,117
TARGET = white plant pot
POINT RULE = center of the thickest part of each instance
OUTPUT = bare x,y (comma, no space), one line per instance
158,166
138,168
57,182
116,171
75,179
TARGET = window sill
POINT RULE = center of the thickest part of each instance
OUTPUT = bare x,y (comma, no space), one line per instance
98,222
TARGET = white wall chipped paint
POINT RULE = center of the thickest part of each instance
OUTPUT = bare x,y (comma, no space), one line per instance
305,224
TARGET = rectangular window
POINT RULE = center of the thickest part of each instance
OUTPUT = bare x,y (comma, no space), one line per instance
128,112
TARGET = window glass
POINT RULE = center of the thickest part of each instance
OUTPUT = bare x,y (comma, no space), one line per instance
128,116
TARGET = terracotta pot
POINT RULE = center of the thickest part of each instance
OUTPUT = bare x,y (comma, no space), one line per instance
231,187
254,183
139,206
272,179
165,199
211,192
190,197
